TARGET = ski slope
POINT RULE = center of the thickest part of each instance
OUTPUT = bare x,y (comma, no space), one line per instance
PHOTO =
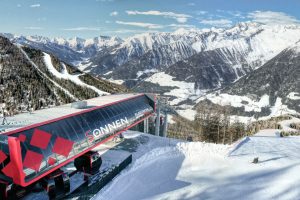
65,75
170,169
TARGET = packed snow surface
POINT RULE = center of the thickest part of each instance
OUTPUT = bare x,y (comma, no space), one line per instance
248,104
239,101
182,90
294,96
170,169
285,125
56,84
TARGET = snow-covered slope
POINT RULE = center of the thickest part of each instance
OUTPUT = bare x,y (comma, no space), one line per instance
170,169
258,42
32,79
273,88
205,60
65,75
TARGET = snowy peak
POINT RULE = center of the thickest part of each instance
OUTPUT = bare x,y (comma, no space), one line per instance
86,47
296,47
103,41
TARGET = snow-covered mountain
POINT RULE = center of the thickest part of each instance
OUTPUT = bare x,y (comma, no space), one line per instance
30,78
257,42
183,65
207,58
273,89
71,50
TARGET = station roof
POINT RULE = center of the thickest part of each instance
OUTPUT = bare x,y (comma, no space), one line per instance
26,119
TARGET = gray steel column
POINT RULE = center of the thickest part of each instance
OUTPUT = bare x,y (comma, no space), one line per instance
157,124
165,130
146,126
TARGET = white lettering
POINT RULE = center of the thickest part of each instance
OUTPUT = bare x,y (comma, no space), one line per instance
96,132
104,129
124,121
118,123
110,127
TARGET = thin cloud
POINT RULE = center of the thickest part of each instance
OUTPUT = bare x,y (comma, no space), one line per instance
141,24
177,26
217,22
83,29
42,19
191,4
270,17
180,18
235,13
33,28
35,5
125,31
114,13
201,12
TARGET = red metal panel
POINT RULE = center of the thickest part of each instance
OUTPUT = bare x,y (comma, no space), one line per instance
33,160
15,168
62,147
40,139
3,156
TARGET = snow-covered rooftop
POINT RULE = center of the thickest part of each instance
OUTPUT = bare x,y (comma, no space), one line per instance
39,116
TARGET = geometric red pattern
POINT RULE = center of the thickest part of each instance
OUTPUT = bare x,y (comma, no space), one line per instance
62,146
9,170
3,156
40,139
51,161
33,160
22,137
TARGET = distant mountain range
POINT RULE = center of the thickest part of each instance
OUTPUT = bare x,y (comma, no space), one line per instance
188,65
274,87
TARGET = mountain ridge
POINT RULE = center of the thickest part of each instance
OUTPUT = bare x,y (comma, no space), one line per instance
196,62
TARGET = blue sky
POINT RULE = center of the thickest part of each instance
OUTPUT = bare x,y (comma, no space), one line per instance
90,18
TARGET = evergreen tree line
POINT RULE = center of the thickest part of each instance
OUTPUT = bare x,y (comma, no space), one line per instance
211,124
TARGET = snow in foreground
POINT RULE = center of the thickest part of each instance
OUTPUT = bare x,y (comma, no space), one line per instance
170,169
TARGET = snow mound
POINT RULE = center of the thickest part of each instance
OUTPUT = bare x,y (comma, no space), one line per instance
294,95
182,90
285,125
239,101
268,133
